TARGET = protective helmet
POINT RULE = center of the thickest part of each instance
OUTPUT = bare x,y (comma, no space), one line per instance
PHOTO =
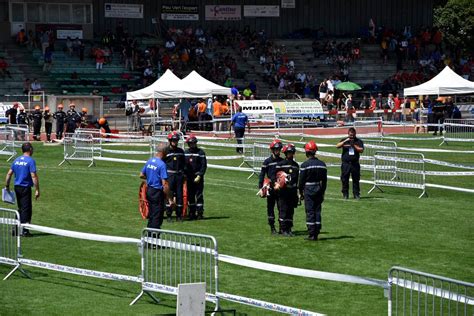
282,179
289,148
102,121
264,191
60,106
84,110
310,146
37,107
174,136
46,108
191,139
72,105
276,144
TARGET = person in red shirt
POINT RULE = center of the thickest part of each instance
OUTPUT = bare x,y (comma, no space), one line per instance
99,59
373,103
4,68
397,107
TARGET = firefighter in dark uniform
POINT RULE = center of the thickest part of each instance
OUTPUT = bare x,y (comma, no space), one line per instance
312,186
103,123
48,123
72,119
196,165
84,122
288,194
60,117
22,120
37,117
439,112
175,167
269,170
11,114
352,147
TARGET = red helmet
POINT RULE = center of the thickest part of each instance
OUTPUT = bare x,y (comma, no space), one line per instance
174,136
276,144
191,139
282,179
289,148
310,146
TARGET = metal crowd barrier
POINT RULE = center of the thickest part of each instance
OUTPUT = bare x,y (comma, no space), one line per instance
7,143
414,292
369,126
170,258
21,132
78,147
372,146
458,130
396,169
10,246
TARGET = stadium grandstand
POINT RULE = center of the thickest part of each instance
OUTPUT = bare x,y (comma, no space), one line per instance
102,88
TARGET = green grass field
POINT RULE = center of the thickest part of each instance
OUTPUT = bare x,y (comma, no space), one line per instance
363,238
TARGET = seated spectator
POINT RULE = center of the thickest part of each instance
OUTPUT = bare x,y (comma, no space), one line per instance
21,37
170,45
69,49
26,86
4,68
35,85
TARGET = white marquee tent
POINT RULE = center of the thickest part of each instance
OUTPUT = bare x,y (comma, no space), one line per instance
446,82
194,85
161,88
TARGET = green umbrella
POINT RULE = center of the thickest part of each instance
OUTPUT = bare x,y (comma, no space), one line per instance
348,86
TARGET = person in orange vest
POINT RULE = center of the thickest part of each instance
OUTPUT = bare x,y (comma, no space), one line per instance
202,107
217,108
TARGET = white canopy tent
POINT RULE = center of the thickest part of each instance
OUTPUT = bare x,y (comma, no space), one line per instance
158,89
196,86
446,82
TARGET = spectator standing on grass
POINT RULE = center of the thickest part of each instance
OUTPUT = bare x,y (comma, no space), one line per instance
312,186
154,172
239,121
352,147
24,171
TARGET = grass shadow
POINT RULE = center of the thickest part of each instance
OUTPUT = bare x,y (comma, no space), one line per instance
336,237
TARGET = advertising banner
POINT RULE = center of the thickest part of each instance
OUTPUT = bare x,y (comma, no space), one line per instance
73,34
257,109
223,12
288,4
179,13
124,10
298,109
261,11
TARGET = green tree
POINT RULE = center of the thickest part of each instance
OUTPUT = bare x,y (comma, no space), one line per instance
456,22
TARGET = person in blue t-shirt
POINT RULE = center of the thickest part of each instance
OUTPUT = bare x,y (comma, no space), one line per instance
24,169
154,172
239,121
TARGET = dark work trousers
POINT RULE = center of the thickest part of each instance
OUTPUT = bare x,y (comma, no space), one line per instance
271,202
156,207
25,207
71,127
312,204
37,130
287,201
350,169
59,130
239,134
202,117
48,127
176,187
195,197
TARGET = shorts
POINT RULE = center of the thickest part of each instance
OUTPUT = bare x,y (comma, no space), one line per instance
322,95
